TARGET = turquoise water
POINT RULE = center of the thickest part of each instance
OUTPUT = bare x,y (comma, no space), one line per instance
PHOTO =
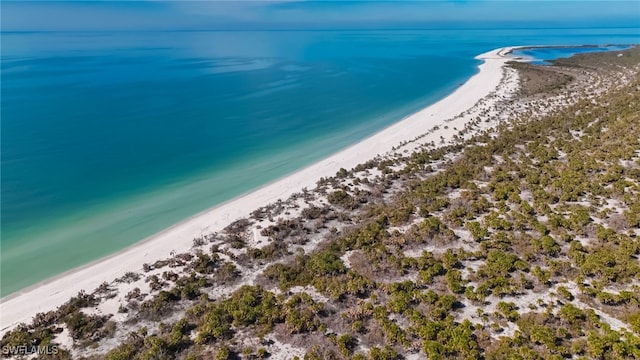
110,137
543,55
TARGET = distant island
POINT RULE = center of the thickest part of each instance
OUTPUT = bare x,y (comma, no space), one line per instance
498,223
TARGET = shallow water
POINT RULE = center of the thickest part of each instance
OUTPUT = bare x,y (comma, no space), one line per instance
544,55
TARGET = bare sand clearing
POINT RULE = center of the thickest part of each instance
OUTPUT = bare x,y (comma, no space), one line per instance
23,305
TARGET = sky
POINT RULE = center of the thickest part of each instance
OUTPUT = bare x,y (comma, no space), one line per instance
29,15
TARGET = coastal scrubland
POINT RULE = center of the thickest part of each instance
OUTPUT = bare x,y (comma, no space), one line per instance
517,239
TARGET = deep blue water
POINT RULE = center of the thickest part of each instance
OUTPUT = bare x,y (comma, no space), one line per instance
109,137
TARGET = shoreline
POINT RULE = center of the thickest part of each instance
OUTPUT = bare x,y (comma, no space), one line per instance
22,305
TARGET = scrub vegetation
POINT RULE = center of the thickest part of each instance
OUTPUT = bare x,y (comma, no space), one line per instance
518,241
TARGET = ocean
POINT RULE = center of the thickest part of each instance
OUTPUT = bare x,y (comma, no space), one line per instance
109,137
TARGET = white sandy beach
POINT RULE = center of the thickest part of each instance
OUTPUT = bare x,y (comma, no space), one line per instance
22,306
